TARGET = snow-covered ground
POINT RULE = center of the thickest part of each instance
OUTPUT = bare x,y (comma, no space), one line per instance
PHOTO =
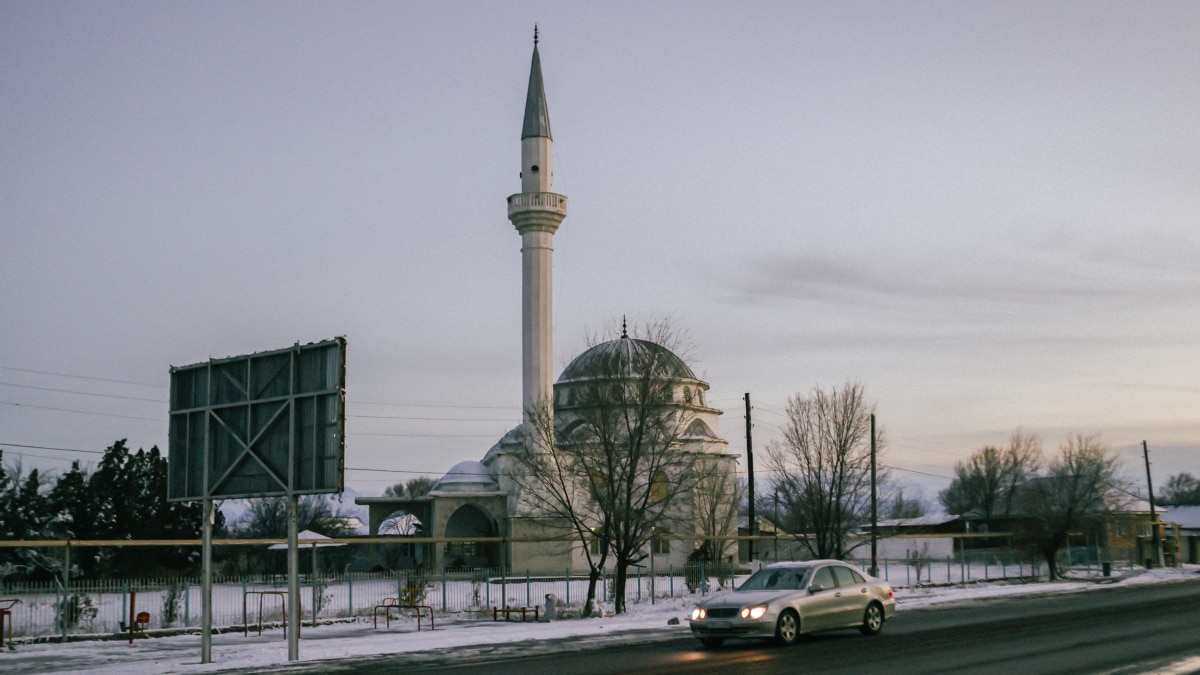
644,622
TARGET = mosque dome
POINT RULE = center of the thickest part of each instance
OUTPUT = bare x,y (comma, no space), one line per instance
467,476
625,355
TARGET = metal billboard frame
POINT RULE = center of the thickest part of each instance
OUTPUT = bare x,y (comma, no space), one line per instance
261,425
270,424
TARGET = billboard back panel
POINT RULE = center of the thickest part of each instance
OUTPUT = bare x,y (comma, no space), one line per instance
262,425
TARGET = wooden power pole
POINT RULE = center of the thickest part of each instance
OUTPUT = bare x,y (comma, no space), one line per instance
750,470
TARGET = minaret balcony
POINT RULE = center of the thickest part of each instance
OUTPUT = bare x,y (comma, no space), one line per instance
545,202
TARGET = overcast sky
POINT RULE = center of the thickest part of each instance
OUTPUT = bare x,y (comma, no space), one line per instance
984,212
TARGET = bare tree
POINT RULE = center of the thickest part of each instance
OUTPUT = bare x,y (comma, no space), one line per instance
611,461
823,467
1182,489
412,488
1077,486
901,507
718,494
987,482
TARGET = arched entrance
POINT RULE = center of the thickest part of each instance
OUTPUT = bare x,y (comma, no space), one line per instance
470,520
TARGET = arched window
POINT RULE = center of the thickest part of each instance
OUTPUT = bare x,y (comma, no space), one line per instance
659,487
687,395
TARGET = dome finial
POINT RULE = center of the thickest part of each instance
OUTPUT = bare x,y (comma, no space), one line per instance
624,328
535,35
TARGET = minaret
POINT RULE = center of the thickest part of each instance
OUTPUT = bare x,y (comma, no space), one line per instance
536,213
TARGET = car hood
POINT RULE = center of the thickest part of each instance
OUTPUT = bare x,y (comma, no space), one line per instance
747,599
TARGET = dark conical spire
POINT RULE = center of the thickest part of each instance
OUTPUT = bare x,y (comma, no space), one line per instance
537,117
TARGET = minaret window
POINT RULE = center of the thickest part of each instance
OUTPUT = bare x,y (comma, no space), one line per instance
534,168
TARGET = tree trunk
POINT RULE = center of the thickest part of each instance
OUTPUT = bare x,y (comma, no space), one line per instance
1049,550
619,578
593,579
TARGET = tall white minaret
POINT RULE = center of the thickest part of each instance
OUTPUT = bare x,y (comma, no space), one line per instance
536,212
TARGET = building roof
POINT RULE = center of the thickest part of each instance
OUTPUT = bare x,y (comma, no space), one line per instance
920,521
1188,517
624,356
466,476
537,115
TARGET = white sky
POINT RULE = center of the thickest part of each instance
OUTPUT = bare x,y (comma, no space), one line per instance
984,212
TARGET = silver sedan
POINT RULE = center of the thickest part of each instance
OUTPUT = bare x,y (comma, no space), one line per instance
788,599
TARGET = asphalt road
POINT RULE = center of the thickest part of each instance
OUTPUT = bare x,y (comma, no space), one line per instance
1118,630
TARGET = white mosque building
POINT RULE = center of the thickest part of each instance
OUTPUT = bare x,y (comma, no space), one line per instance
482,500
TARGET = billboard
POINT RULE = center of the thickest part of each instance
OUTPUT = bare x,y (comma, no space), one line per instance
263,425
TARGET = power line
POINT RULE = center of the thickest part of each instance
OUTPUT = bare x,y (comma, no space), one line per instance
83,393
84,412
432,419
45,447
83,377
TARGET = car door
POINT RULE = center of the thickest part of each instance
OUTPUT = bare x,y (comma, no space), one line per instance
852,596
821,606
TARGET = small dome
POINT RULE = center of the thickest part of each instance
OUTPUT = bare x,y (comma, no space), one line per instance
624,355
467,477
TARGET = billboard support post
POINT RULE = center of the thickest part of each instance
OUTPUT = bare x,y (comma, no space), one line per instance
293,580
270,424
209,514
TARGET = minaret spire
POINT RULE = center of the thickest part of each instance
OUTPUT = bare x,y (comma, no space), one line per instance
536,212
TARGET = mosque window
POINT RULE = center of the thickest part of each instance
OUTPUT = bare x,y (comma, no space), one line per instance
660,542
597,538
687,395
659,487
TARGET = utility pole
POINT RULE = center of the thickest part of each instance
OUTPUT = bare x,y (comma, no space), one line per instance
776,528
750,469
1158,552
874,504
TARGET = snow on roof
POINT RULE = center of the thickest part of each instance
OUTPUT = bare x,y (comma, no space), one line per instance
1187,516
920,521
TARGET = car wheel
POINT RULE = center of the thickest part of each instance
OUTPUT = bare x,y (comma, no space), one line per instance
872,619
787,629
712,642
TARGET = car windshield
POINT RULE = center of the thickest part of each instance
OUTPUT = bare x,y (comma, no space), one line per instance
776,579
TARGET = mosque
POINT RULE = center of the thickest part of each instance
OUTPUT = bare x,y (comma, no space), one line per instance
484,499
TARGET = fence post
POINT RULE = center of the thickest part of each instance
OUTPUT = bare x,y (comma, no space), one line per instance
350,592
639,586
66,588
671,577
187,605
528,589
568,593
703,579
443,590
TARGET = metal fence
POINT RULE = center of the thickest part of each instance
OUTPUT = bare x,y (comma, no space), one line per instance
91,608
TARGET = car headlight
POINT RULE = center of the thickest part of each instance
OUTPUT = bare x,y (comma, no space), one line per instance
753,612
698,613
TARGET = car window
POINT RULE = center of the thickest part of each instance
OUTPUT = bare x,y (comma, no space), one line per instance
858,578
845,576
774,579
824,578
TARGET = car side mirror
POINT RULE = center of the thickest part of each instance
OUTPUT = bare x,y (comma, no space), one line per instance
817,588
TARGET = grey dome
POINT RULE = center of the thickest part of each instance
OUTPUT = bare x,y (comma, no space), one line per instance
467,477
626,355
